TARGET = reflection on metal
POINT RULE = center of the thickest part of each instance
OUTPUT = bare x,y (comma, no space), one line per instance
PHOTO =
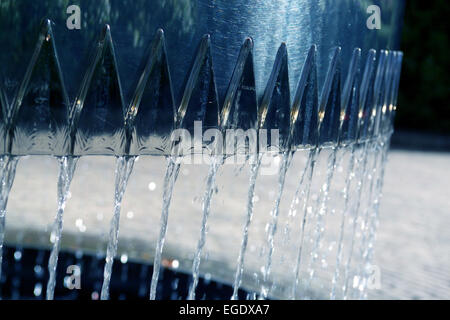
252,58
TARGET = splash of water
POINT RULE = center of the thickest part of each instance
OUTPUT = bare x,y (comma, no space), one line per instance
210,181
173,167
287,157
8,166
250,199
67,166
305,195
123,171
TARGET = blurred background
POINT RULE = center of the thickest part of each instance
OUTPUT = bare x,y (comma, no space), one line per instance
423,119
413,243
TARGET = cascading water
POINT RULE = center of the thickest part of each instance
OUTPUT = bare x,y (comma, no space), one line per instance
346,197
173,167
67,167
253,92
123,172
209,191
304,210
361,164
248,219
285,162
7,173
321,207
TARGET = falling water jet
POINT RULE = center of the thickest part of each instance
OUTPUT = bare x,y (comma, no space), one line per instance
330,125
210,181
8,166
374,169
372,225
361,131
306,192
67,167
296,198
340,246
384,128
368,148
248,218
286,161
322,205
361,164
371,149
173,167
124,167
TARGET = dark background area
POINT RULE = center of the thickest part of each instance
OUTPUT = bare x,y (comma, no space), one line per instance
424,98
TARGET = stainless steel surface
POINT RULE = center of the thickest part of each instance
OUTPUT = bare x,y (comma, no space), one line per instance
70,61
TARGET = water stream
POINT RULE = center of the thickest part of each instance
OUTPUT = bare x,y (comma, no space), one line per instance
173,167
360,167
305,196
345,194
8,166
320,212
124,168
248,219
210,181
67,167
285,162
371,223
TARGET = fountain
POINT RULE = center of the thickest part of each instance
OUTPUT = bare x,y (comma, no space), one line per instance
251,192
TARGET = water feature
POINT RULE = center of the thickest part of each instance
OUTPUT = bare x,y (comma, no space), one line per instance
305,196
346,197
124,108
67,167
360,119
209,190
368,243
8,166
173,167
123,171
320,212
248,219
285,162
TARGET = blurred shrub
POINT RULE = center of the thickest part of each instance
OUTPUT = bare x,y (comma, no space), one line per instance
424,99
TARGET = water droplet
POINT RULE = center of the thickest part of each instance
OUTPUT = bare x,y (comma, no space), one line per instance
124,258
37,289
152,186
38,270
17,255
355,281
175,283
79,254
130,214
